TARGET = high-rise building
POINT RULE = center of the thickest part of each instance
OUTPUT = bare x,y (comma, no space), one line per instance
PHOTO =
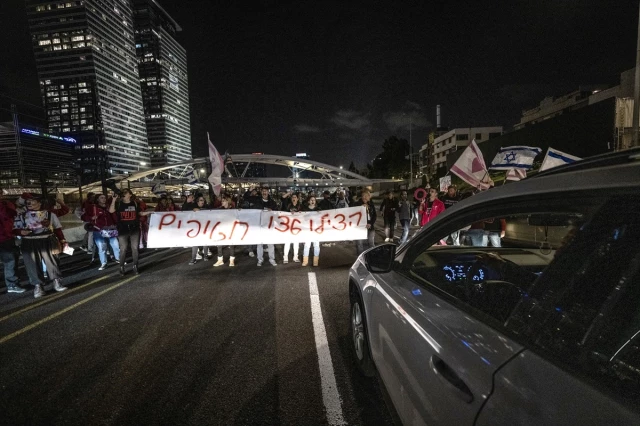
163,80
88,71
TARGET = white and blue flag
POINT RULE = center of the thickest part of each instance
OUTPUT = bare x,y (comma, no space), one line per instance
191,177
515,157
555,158
159,188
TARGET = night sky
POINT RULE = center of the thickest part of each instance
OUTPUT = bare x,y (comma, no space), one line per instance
335,79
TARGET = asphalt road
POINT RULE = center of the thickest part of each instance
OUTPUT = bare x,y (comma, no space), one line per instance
187,344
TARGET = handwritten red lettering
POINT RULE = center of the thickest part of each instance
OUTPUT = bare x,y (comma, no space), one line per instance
206,227
341,222
359,214
323,219
179,224
213,230
295,230
163,223
193,229
271,222
246,229
285,224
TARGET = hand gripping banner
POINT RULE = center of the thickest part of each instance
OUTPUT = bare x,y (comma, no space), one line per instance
249,227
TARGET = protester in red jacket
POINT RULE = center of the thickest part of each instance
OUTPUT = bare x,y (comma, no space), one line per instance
430,208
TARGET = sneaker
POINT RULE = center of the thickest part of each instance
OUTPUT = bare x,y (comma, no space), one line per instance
273,262
220,262
84,248
285,261
102,267
198,257
206,258
259,262
193,261
232,262
251,254
38,291
89,252
386,240
295,259
57,285
15,289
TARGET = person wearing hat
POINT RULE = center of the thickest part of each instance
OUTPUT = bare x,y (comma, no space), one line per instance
36,226
325,203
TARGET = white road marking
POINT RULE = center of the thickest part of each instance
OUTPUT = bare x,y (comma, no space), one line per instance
330,395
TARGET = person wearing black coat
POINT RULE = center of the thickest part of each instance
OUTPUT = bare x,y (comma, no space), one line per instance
200,204
266,203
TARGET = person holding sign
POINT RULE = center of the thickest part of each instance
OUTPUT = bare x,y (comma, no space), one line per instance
294,206
266,203
128,214
365,200
226,203
312,206
42,236
201,204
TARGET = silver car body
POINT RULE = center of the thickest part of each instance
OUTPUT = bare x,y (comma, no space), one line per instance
441,365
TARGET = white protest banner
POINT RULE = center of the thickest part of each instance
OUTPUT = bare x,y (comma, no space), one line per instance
249,227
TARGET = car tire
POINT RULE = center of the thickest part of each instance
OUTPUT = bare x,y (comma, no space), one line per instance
360,337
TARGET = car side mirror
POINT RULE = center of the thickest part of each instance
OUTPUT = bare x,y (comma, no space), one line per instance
379,259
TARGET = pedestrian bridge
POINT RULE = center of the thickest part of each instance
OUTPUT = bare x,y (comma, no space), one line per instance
292,172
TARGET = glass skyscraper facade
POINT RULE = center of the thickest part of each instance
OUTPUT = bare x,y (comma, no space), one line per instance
88,70
163,81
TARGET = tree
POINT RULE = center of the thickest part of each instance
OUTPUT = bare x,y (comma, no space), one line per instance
393,160
352,168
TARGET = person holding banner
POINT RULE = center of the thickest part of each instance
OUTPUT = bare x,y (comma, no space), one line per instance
312,206
201,204
365,200
128,214
226,203
266,203
294,206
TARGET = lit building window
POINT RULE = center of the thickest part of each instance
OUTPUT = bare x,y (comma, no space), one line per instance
44,42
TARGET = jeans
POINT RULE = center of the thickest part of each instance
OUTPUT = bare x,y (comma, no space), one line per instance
478,237
307,248
406,223
362,245
232,250
88,242
389,225
270,249
494,238
9,260
287,248
101,242
124,240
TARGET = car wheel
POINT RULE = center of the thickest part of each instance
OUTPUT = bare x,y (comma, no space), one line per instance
360,338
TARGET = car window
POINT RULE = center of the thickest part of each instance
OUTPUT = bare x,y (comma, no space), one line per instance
584,310
490,263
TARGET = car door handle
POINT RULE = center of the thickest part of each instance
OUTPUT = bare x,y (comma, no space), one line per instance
448,376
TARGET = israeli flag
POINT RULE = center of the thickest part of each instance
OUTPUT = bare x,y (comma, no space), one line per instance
191,178
515,157
555,158
159,189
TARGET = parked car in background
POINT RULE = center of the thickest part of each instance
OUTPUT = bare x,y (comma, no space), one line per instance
544,329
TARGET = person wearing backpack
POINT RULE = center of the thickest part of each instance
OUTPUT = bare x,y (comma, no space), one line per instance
128,214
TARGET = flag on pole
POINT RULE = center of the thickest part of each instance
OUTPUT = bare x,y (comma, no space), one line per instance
471,168
159,188
515,157
516,174
191,177
217,167
555,158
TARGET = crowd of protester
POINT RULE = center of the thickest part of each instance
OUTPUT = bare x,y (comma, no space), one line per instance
115,224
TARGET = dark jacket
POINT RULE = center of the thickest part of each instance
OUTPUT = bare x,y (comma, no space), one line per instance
188,207
326,204
104,218
371,212
7,215
388,207
450,201
287,206
260,204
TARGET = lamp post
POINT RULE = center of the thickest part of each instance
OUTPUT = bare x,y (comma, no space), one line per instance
410,153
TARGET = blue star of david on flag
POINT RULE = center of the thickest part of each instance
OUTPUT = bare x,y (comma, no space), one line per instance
515,157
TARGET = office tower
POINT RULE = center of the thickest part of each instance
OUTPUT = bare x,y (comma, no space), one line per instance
88,72
163,81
